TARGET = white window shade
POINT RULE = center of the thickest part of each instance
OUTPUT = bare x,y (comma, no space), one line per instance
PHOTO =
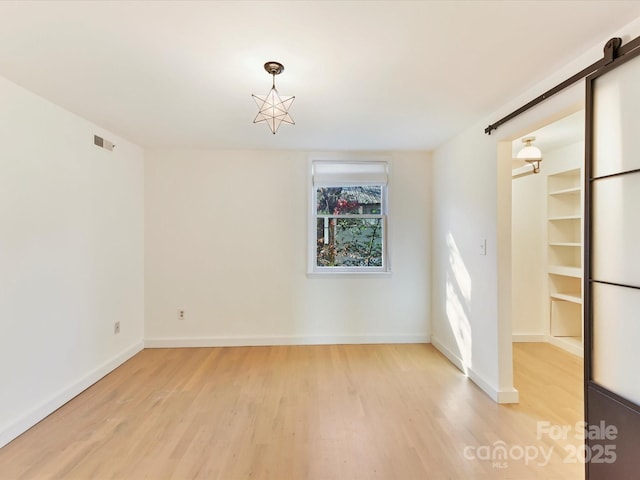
329,174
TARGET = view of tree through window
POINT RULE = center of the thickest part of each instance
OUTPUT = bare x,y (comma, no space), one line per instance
350,227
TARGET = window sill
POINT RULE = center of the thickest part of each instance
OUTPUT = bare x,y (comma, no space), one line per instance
349,274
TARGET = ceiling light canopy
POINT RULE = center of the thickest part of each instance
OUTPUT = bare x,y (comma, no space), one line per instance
272,108
530,154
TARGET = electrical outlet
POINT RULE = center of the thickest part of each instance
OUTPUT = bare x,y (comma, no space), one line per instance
116,328
181,315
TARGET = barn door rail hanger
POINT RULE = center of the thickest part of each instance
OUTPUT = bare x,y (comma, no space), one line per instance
613,50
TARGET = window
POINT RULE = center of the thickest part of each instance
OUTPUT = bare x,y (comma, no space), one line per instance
348,227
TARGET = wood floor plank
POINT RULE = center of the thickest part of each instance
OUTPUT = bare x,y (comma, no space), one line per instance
305,412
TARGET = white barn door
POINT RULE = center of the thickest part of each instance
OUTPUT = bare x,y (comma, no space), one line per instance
612,270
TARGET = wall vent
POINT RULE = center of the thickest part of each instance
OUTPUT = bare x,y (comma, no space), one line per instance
102,143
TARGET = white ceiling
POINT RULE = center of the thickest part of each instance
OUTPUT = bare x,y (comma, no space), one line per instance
367,75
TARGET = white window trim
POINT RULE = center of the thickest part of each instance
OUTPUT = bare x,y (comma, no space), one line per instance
312,269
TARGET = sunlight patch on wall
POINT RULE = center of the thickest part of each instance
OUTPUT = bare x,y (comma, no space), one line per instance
458,291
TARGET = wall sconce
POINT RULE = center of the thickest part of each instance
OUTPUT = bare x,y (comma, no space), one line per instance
530,154
273,109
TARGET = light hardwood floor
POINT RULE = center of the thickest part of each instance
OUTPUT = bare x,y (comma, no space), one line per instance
306,412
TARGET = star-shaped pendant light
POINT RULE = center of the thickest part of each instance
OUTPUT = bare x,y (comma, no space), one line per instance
272,108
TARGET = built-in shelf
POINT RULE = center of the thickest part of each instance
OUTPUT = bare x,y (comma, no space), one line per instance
564,230
575,272
565,217
567,191
568,297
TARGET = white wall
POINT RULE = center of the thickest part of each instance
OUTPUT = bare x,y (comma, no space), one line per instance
530,301
71,256
529,254
471,319
226,240
464,281
472,201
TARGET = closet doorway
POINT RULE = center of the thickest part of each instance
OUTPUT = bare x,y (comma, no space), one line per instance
547,231
547,271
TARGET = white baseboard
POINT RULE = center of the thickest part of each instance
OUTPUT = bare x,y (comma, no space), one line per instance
509,395
29,419
529,338
452,357
186,342
560,342
567,346
505,395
